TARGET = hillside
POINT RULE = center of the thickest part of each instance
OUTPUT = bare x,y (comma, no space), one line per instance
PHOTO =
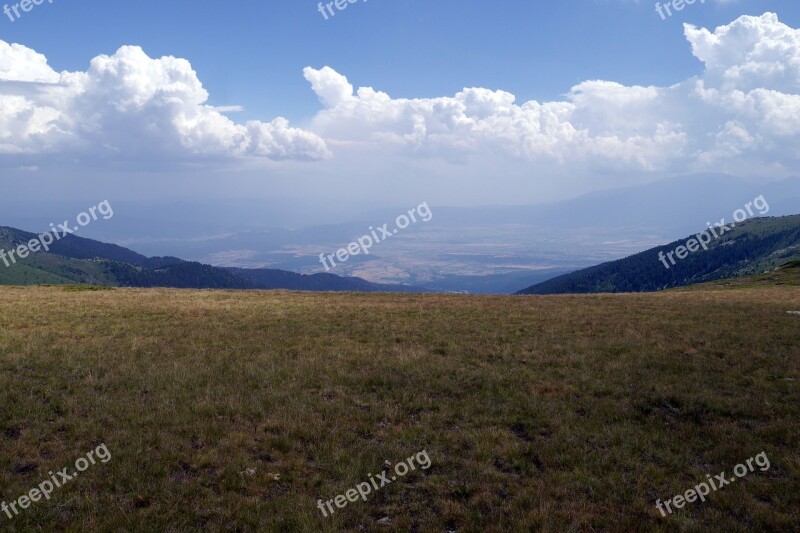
76,260
786,275
753,246
240,410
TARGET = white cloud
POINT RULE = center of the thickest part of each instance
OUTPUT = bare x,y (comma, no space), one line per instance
129,104
750,53
745,105
19,63
743,112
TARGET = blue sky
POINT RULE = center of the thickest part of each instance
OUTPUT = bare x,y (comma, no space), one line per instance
390,103
251,53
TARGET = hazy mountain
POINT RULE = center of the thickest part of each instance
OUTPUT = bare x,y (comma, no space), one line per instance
475,249
677,204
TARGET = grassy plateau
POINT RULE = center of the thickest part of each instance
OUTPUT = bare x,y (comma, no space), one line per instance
237,411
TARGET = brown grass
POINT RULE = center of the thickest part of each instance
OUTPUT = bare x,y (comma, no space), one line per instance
538,413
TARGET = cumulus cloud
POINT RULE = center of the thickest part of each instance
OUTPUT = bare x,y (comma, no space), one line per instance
750,53
479,121
746,106
741,113
129,105
19,63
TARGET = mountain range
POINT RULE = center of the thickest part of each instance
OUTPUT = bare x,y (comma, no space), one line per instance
754,246
472,249
77,260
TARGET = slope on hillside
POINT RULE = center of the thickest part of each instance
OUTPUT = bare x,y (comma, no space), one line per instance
786,275
752,247
77,260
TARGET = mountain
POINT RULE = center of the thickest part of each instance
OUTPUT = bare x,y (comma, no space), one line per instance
787,275
673,206
474,249
751,247
77,260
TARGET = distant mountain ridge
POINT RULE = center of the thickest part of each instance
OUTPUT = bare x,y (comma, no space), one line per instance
77,260
752,247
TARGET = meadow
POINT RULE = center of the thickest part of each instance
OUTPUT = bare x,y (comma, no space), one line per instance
239,410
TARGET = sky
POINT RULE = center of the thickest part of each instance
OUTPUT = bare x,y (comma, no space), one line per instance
389,103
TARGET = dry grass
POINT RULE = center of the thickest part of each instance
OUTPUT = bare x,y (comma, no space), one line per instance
552,413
